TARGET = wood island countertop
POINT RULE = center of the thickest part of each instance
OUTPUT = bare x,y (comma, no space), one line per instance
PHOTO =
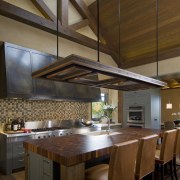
75,149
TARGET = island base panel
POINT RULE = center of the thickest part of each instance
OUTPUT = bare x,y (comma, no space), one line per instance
75,172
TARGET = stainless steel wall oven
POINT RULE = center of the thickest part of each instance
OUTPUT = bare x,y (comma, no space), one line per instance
135,114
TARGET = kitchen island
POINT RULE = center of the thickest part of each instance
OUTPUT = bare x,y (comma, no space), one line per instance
71,152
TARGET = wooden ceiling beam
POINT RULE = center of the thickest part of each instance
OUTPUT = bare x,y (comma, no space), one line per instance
81,24
64,12
26,17
85,13
43,8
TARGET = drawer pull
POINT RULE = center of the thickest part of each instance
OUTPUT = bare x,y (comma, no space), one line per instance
20,153
46,174
46,161
21,160
20,146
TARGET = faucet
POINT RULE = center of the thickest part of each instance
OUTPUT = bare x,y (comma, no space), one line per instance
108,121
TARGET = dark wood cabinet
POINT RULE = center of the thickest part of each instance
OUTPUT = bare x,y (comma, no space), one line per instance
16,66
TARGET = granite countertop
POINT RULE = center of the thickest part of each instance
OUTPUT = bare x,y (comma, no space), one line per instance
75,149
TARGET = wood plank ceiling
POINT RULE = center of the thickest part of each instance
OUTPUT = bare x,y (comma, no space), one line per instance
138,29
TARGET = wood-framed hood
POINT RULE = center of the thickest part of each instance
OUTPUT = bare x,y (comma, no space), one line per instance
79,70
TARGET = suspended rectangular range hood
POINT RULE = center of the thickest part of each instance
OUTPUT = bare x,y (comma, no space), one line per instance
80,70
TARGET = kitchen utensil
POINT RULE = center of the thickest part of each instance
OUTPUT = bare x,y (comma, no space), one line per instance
86,122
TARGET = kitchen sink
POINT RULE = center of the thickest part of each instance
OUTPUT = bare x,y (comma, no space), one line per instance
99,133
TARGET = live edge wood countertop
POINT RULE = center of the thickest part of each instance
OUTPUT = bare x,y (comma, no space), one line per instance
75,149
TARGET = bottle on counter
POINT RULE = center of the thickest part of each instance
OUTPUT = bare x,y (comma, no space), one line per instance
14,125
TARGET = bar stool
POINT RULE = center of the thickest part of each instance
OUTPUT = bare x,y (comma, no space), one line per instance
145,163
121,166
176,151
166,153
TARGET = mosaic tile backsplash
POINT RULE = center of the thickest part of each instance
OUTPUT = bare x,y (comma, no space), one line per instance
42,110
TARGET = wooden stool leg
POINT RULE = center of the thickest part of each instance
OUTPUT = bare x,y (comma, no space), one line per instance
171,169
174,165
162,172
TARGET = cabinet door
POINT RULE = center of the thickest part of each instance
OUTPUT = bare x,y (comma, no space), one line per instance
40,168
18,71
43,88
34,166
129,99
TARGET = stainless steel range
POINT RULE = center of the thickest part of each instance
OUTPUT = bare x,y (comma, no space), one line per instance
50,132
46,129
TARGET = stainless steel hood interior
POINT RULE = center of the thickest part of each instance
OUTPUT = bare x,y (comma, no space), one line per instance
80,70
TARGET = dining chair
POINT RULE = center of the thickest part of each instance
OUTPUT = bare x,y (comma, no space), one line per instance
145,163
121,165
176,151
168,125
166,153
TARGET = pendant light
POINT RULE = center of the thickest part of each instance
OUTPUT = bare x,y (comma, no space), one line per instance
157,40
57,32
169,104
78,70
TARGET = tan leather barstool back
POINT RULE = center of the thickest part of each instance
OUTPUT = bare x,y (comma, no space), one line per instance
168,145
177,144
122,161
121,165
145,163
176,151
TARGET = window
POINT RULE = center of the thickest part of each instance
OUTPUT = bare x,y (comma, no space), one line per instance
97,107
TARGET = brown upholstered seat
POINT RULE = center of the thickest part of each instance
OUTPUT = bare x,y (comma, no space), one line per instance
145,163
166,153
176,151
121,166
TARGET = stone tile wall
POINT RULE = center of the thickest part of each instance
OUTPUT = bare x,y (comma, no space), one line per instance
32,110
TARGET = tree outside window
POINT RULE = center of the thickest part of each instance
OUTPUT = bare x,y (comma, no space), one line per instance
97,107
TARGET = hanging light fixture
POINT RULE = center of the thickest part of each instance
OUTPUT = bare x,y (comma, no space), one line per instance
57,32
169,105
80,70
157,38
